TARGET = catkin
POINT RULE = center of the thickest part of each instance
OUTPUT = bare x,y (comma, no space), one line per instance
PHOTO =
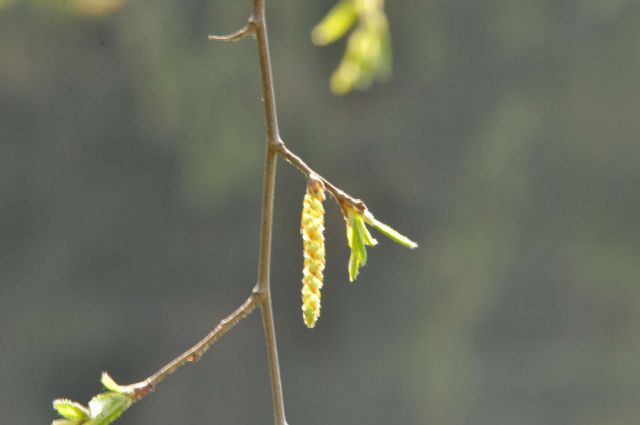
312,231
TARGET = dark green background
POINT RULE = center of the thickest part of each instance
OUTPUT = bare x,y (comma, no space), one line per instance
506,144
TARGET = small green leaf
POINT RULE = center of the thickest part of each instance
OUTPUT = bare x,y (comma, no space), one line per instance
358,238
354,267
389,232
354,261
71,410
111,385
107,407
366,236
358,247
358,241
337,22
103,408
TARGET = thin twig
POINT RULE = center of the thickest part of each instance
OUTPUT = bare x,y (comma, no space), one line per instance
194,353
243,32
342,198
263,285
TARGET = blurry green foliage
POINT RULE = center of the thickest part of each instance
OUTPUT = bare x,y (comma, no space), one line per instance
95,8
368,52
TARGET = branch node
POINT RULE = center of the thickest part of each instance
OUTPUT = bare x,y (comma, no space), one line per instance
194,357
142,389
277,145
259,296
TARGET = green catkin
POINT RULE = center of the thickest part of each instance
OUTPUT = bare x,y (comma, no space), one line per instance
312,231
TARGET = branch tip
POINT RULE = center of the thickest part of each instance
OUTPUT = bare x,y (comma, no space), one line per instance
244,32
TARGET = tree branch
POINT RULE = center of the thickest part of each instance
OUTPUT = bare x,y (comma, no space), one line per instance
262,292
342,198
194,353
243,32
261,295
263,285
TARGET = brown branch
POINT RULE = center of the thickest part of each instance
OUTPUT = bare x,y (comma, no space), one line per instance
194,353
247,30
342,198
261,295
263,285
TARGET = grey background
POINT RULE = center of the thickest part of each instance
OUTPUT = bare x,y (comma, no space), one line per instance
506,144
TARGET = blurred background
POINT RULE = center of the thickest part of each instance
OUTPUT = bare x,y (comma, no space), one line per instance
506,144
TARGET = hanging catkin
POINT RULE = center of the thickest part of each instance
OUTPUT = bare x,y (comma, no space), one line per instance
312,230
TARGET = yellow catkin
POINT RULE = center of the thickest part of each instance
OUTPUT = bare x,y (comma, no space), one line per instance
312,230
